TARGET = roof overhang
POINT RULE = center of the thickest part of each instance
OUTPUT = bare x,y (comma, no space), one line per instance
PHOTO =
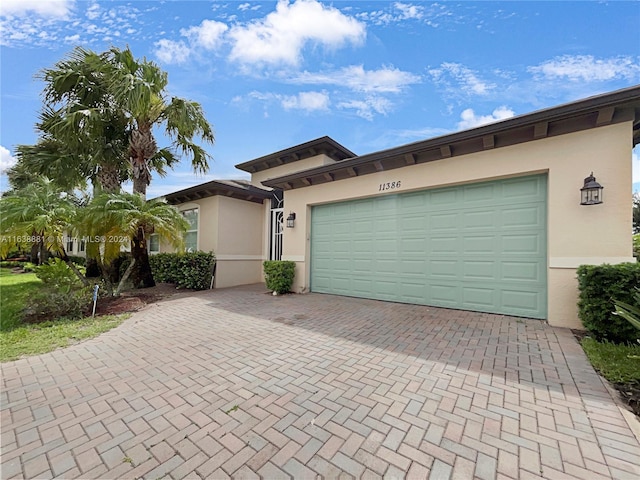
227,188
323,145
607,109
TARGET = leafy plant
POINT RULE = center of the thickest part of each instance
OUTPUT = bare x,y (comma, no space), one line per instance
629,312
599,285
186,270
51,305
279,275
57,275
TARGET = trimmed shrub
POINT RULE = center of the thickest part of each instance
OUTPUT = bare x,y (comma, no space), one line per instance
51,305
185,270
600,286
279,274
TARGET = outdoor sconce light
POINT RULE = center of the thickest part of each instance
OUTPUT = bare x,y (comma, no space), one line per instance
291,220
591,193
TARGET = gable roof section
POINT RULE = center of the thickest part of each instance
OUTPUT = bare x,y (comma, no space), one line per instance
615,107
325,145
239,189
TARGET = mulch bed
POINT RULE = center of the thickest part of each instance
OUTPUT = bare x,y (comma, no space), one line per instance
134,300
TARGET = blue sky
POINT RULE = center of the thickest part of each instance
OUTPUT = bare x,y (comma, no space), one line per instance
370,74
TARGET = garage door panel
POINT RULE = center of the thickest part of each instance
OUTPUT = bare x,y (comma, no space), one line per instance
478,247
472,195
478,220
479,270
521,271
443,246
521,217
523,244
479,298
444,295
444,222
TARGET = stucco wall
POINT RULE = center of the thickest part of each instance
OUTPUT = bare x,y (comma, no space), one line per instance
576,234
287,168
233,229
240,242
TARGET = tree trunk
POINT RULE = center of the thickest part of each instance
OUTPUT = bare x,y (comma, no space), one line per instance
109,178
141,275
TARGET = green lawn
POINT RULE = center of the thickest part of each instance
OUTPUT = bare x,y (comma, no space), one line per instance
17,339
616,363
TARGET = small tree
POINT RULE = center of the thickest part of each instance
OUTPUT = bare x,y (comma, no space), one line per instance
42,213
116,218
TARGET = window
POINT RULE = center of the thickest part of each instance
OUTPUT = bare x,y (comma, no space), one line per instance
154,243
191,237
82,246
69,245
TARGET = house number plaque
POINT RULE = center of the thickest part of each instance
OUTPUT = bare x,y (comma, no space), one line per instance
389,186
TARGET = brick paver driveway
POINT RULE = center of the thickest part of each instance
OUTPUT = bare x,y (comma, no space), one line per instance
235,382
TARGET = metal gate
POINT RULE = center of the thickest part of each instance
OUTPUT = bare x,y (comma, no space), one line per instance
277,226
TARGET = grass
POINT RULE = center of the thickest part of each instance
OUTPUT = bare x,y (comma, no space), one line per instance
18,339
616,363
14,291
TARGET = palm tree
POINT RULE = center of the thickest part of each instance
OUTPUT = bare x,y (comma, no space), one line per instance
139,90
104,108
123,216
40,213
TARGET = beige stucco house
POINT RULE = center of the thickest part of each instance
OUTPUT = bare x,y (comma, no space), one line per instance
488,219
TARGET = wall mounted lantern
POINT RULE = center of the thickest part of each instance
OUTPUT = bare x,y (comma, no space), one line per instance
291,220
591,193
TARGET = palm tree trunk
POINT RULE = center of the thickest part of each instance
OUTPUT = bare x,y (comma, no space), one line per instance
142,276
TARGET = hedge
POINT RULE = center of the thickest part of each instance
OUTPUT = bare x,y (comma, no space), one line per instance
599,286
185,270
279,275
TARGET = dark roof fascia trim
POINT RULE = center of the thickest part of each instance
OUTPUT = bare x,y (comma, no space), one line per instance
574,109
260,163
213,188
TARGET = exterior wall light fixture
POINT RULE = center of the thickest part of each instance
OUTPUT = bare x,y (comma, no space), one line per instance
291,220
591,193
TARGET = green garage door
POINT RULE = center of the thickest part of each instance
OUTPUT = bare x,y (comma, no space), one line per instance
473,247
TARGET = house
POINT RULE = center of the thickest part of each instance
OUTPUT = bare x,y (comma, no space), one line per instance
488,219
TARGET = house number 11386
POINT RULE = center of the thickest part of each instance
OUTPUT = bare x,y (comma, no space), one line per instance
389,186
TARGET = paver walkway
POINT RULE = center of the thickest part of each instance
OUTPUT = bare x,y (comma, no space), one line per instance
235,382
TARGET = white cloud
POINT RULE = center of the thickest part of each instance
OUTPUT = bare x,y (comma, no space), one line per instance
368,107
279,38
401,12
308,101
587,68
635,163
355,77
458,78
45,8
169,51
6,159
93,11
471,120
408,11
208,34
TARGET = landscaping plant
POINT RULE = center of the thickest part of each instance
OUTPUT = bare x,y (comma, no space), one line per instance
279,275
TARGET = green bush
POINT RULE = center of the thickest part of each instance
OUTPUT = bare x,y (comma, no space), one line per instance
50,305
185,270
10,264
278,275
78,260
57,275
599,286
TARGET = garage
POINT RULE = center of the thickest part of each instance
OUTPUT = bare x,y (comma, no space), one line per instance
478,246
